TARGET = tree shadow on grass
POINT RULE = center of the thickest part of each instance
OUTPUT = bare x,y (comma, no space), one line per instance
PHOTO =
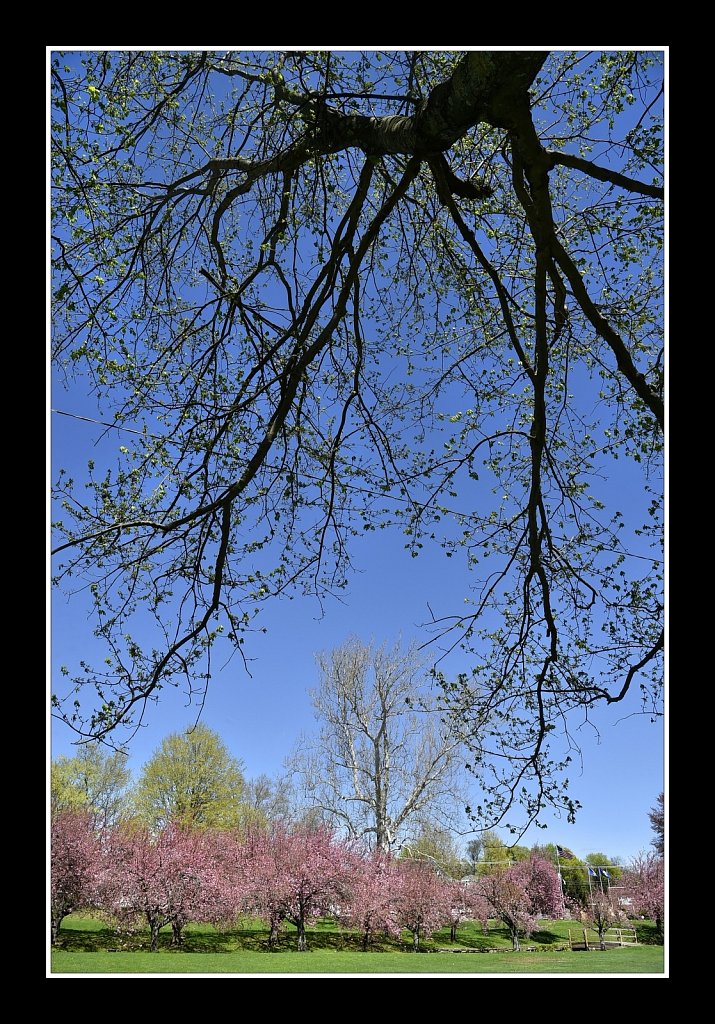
78,940
471,935
75,936
545,938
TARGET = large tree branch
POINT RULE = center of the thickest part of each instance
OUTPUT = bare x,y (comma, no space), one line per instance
634,669
624,360
605,174
537,162
304,352
483,87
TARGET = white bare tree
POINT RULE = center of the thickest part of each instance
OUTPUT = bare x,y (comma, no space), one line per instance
384,762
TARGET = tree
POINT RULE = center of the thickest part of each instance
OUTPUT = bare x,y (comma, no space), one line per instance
510,904
191,780
607,870
270,799
474,852
73,867
644,884
518,895
383,763
602,913
261,856
317,293
541,882
657,823
425,902
438,848
375,892
168,878
495,853
467,904
572,871
296,876
95,781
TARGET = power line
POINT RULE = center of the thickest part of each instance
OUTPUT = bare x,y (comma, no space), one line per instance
111,426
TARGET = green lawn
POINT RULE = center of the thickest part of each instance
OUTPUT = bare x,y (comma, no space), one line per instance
88,946
636,960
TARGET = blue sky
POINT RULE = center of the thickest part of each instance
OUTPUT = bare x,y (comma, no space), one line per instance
260,716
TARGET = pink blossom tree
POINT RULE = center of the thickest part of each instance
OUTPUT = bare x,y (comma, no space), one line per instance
259,865
375,895
73,867
542,885
521,893
510,903
425,901
169,878
644,884
227,877
198,885
603,913
297,876
467,904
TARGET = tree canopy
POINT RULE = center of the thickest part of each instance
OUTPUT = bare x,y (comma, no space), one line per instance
193,781
95,781
319,293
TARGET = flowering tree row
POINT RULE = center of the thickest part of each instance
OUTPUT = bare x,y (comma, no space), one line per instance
179,875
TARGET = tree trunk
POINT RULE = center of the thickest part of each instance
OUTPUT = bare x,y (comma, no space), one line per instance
55,925
366,939
515,945
273,933
155,928
302,946
453,933
416,938
176,936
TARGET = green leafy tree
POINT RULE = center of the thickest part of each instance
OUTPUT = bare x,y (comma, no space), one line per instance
474,852
321,293
607,868
547,851
192,780
438,848
519,853
94,781
574,883
657,823
495,853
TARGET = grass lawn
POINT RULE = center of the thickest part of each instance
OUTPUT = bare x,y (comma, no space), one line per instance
635,960
88,946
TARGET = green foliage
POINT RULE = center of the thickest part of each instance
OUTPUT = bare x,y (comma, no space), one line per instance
602,860
192,779
95,780
495,853
437,847
474,852
657,823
